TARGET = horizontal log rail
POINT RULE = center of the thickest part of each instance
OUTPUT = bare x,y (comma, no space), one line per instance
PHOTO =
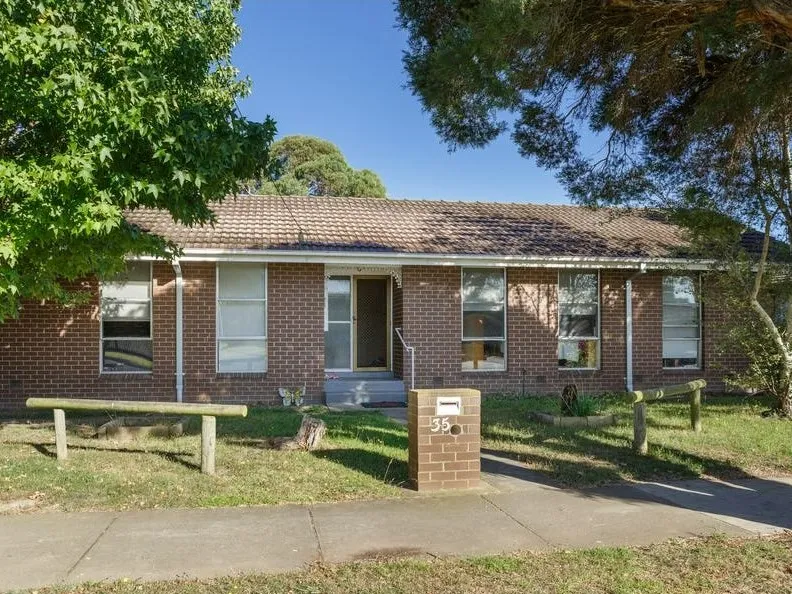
640,399
667,391
207,412
141,406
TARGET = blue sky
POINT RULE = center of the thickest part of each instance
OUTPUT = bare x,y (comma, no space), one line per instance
333,70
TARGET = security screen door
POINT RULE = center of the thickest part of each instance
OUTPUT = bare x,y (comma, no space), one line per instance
358,324
371,323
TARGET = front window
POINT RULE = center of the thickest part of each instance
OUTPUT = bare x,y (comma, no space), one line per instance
241,318
578,320
126,321
483,319
681,323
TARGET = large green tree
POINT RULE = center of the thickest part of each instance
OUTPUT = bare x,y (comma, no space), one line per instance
105,106
310,166
691,101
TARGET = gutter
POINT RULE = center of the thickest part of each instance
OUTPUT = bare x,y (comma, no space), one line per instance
179,331
629,325
348,258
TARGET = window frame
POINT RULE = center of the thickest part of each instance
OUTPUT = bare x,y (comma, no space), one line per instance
696,279
350,322
264,300
597,338
150,301
504,339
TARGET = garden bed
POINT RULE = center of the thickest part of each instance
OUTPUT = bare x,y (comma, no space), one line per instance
591,421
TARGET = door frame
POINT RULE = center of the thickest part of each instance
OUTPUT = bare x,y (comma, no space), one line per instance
388,322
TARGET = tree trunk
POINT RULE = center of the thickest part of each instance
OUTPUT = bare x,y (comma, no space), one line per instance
785,403
783,396
774,16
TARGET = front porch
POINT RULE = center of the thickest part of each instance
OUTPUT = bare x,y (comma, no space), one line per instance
363,387
359,339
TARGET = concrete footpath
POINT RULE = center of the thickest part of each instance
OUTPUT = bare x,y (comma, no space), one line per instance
514,512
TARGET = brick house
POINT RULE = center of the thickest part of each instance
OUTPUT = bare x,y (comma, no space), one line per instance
292,291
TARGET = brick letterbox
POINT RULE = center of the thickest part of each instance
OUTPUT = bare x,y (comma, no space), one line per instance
444,428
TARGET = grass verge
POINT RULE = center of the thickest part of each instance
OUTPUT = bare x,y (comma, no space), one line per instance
712,565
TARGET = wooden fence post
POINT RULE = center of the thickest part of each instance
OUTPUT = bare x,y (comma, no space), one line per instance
60,433
639,428
695,409
208,435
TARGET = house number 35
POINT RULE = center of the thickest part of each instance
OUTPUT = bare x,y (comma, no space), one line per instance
439,424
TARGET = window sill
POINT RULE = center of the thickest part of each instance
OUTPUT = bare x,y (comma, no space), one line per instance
683,369
574,369
120,373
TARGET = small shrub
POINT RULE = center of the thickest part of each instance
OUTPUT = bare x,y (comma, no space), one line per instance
568,400
585,406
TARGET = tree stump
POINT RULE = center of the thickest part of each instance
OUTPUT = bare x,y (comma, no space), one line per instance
310,434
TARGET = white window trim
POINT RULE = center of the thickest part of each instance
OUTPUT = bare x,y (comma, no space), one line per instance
218,338
150,337
503,339
328,321
700,339
598,339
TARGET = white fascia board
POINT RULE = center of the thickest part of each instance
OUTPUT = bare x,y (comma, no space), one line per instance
409,259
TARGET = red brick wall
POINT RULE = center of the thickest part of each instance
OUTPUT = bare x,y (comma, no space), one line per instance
432,322
399,354
52,350
295,310
648,347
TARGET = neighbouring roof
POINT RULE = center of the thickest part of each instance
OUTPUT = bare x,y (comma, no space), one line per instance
310,223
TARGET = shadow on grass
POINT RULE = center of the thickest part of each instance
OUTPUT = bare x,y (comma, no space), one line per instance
574,457
496,464
384,468
655,424
677,481
174,457
262,424
392,435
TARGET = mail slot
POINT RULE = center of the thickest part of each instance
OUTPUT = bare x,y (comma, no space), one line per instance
448,406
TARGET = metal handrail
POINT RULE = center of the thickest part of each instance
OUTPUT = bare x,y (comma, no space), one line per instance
410,350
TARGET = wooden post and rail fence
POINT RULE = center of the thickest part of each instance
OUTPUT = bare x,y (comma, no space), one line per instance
641,398
208,413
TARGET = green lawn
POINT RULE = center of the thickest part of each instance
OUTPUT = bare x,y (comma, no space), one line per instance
736,441
713,565
364,456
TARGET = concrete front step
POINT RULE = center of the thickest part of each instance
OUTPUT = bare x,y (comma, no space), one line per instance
357,391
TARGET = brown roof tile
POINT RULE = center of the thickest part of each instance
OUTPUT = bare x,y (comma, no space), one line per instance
422,226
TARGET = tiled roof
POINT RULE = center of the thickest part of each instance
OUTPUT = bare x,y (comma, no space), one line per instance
422,227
